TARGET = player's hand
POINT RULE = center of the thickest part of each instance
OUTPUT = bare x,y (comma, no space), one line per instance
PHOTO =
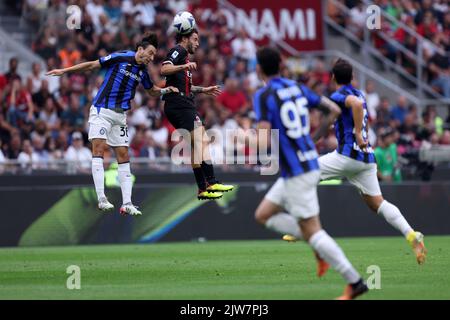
55,72
172,89
362,144
212,91
190,66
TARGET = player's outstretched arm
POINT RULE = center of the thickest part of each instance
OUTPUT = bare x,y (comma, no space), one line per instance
331,111
84,66
212,91
263,136
358,117
156,91
168,68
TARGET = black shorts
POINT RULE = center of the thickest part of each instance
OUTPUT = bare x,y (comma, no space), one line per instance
182,113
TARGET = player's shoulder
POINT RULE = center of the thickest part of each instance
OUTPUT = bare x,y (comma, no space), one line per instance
119,56
263,91
337,94
124,53
179,49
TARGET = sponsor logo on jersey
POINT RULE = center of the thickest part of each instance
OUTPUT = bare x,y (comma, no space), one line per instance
130,74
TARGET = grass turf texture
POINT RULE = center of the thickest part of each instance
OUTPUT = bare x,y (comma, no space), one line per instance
220,270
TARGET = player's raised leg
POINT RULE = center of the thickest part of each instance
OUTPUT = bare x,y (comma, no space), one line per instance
394,217
273,216
213,185
126,181
302,202
201,175
98,174
367,182
330,251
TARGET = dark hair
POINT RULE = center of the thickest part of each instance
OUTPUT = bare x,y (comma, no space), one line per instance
148,39
269,59
343,71
179,37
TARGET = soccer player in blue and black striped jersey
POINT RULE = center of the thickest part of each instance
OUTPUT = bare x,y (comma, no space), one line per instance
354,158
291,205
107,118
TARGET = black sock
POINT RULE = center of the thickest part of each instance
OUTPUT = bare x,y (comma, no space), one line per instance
208,170
200,178
357,284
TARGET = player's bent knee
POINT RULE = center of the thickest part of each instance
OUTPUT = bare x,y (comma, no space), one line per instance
261,215
373,202
310,226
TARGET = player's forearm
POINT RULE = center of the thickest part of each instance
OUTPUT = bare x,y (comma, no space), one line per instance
168,69
156,91
84,66
331,111
322,130
263,137
197,89
358,117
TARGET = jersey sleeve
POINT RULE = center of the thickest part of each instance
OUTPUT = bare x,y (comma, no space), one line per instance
339,98
146,81
175,57
260,106
111,59
312,97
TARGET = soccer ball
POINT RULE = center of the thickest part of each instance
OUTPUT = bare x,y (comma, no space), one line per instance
184,22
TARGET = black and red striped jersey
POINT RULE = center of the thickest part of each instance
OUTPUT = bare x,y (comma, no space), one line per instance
182,79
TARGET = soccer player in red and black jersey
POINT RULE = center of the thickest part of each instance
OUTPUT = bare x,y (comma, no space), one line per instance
181,112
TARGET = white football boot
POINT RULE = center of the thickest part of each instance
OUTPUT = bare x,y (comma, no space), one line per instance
104,204
129,208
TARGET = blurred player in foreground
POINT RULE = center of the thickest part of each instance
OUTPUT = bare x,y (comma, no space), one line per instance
180,110
283,104
107,117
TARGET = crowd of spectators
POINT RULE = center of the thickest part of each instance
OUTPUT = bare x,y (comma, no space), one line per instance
428,18
44,118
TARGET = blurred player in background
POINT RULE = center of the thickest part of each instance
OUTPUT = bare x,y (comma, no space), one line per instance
354,158
107,117
180,110
283,104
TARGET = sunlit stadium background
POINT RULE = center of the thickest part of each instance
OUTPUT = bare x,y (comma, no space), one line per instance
400,53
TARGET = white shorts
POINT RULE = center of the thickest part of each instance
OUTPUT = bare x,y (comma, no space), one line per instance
298,195
109,125
360,174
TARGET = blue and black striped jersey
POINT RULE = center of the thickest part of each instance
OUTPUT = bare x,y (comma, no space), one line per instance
285,104
345,127
122,77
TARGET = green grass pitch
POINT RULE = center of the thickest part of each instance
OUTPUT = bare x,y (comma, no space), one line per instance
221,270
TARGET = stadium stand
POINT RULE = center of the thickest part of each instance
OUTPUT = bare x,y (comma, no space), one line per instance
40,115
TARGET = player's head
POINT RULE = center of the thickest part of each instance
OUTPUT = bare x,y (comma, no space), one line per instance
269,60
189,40
146,48
342,72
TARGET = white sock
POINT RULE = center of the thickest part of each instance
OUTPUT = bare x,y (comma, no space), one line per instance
329,250
126,182
394,217
284,223
98,173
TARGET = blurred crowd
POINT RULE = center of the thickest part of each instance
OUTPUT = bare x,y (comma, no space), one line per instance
429,18
44,118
